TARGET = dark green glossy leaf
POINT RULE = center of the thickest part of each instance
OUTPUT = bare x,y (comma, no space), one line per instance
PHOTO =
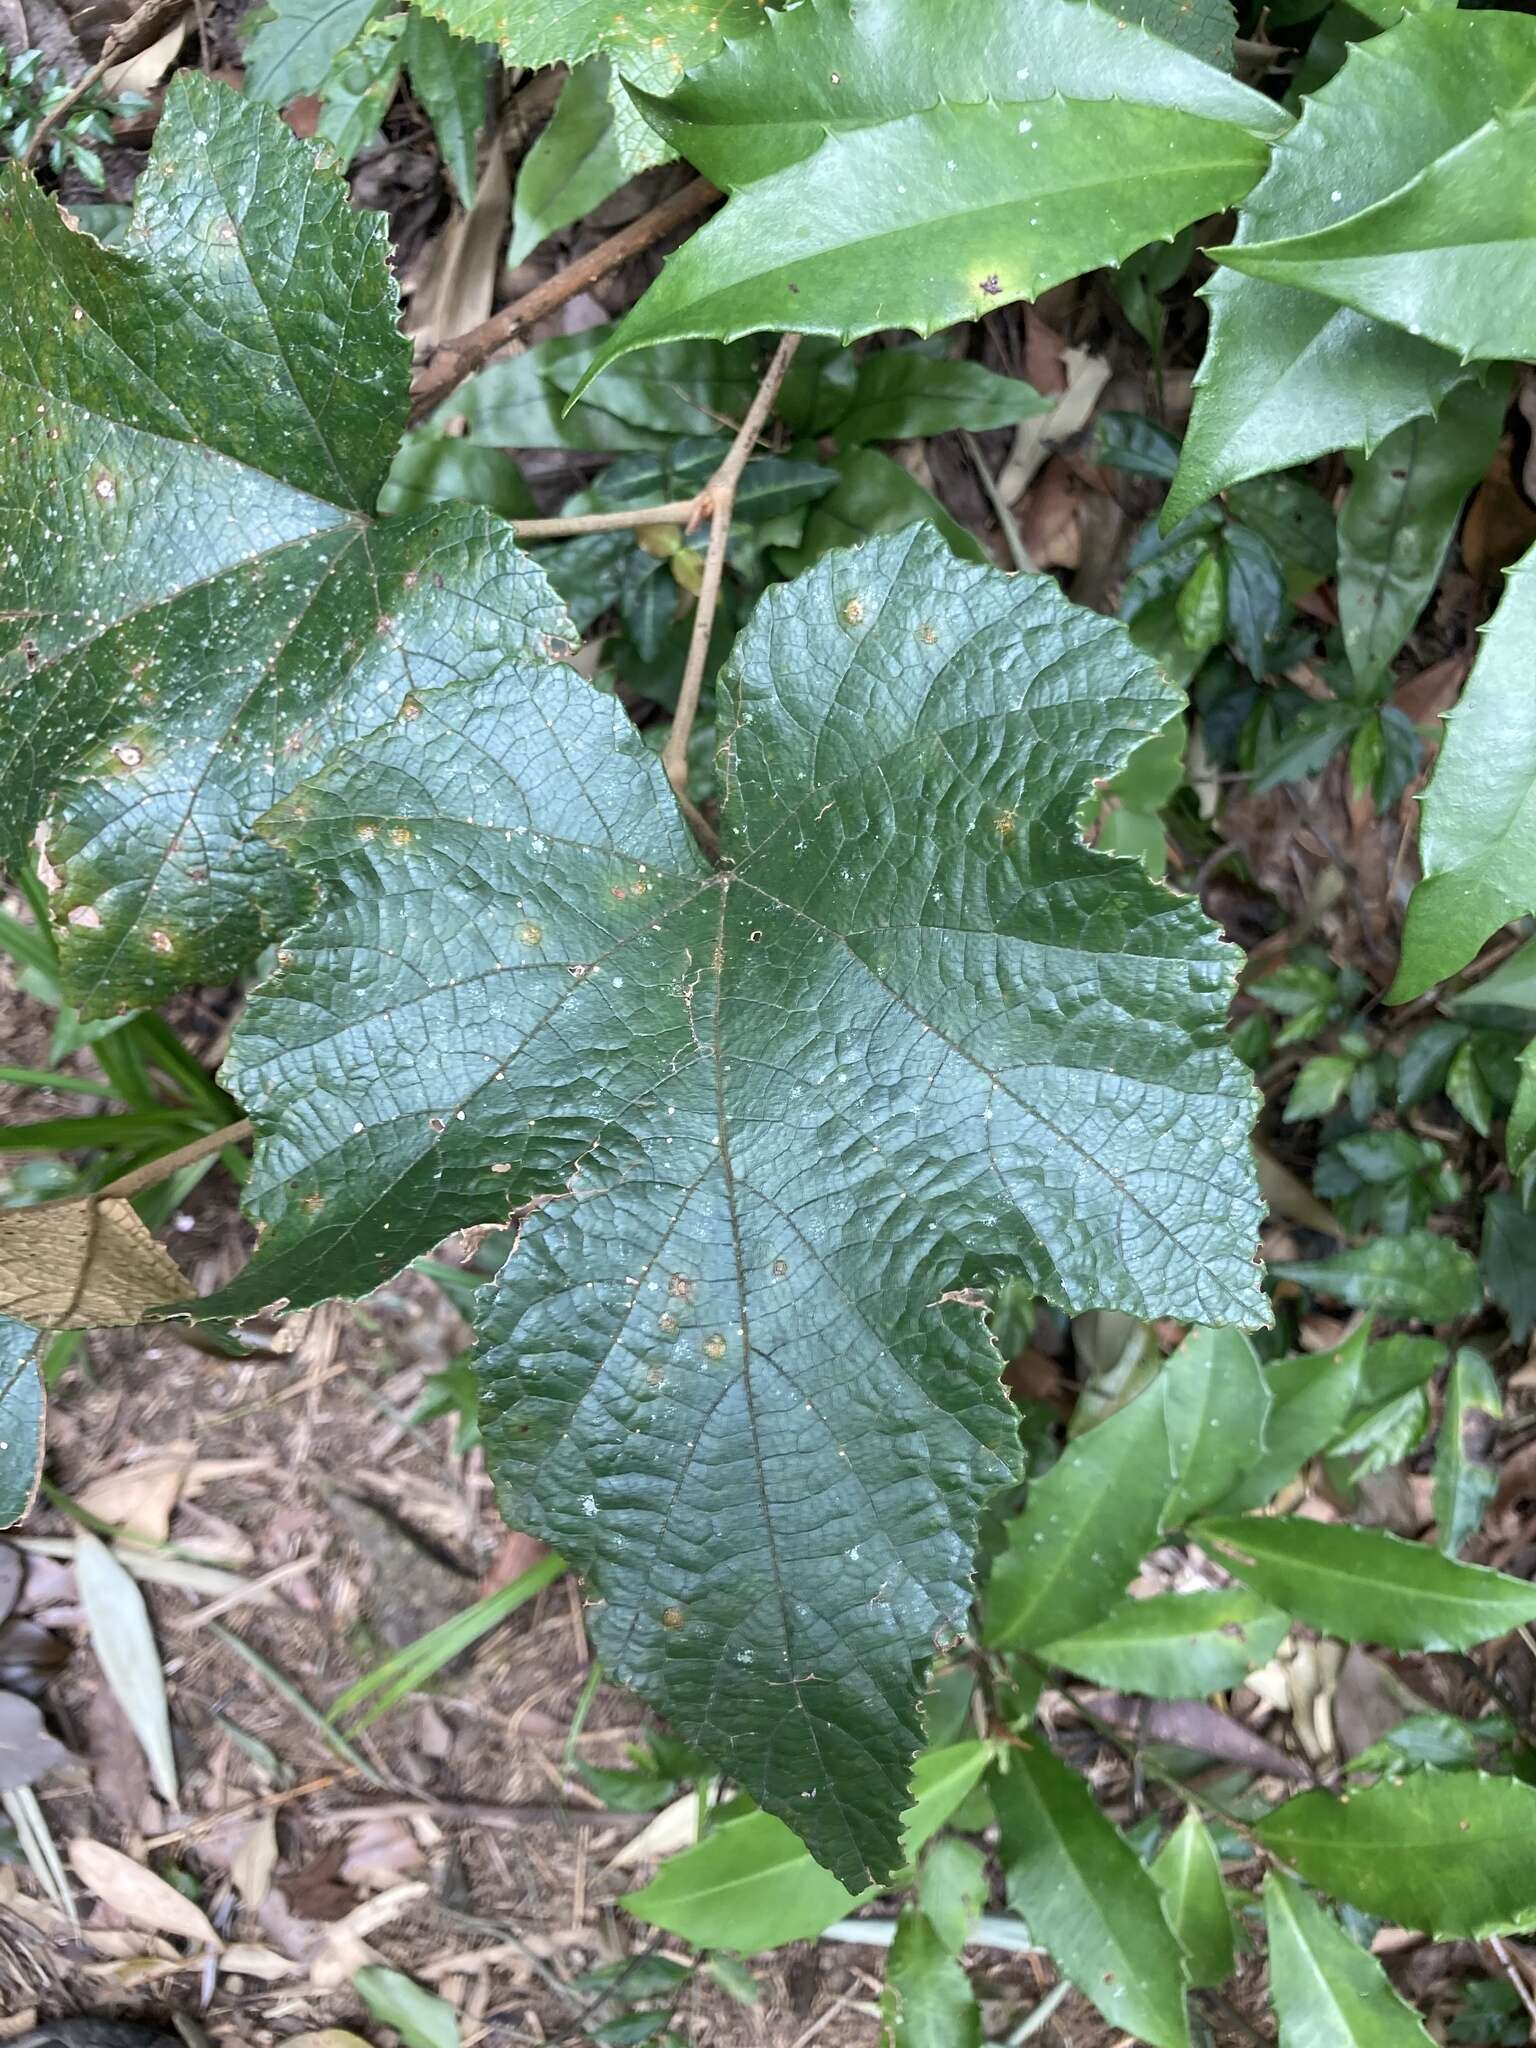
1175,1646
1477,838
1440,255
1130,441
431,469
912,163
645,402
199,605
22,1407
1296,521
1367,1586
1401,512
1181,1444
902,393
1289,374
1449,1855
574,165
522,981
1087,1898
1466,1477
1509,1261
1418,1274
873,495
1188,1872
651,41
927,2001
297,41
448,76
1255,594
1328,1992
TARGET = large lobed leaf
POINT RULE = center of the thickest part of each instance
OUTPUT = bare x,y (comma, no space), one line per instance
917,162
195,604
1301,360
911,1034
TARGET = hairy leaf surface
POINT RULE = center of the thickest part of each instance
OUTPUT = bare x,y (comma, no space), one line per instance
913,163
911,1034
195,604
1289,373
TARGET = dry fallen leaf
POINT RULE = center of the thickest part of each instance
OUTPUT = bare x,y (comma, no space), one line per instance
144,72
250,1959
83,1265
141,1497
125,1648
141,1897
252,1865
27,1750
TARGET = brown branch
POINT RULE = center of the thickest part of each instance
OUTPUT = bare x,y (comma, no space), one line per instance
144,26
718,501
172,1162
457,359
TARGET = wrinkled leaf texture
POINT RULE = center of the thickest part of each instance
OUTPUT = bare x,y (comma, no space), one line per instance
911,1034
195,604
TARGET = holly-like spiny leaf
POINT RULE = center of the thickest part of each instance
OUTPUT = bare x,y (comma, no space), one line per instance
196,604
651,41
911,1034
917,162
1288,373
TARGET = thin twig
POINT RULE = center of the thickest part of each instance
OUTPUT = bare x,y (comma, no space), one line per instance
172,1162
1018,554
718,500
676,513
144,26
457,359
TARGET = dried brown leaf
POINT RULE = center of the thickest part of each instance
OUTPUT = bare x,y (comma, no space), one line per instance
83,1265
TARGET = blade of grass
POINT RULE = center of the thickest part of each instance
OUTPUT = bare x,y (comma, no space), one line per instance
81,1133
285,1688
411,1668
45,1077
26,1817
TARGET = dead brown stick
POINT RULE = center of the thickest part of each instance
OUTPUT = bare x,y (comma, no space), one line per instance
144,26
718,500
457,359
172,1162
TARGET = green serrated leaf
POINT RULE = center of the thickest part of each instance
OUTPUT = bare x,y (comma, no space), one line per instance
1181,1444
448,76
1187,1870
1367,1586
198,604
1433,256
1466,1478
1451,1855
903,393
1087,1897
652,42
1175,1646
523,981
927,2001
574,165
1328,1992
23,1405
1402,509
1477,839
1289,374
1418,1274
999,149
752,1884
297,41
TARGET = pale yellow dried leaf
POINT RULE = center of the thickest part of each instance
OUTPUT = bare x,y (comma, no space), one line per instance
144,72
252,1865
250,1959
83,1265
135,1892
129,1657
142,1496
